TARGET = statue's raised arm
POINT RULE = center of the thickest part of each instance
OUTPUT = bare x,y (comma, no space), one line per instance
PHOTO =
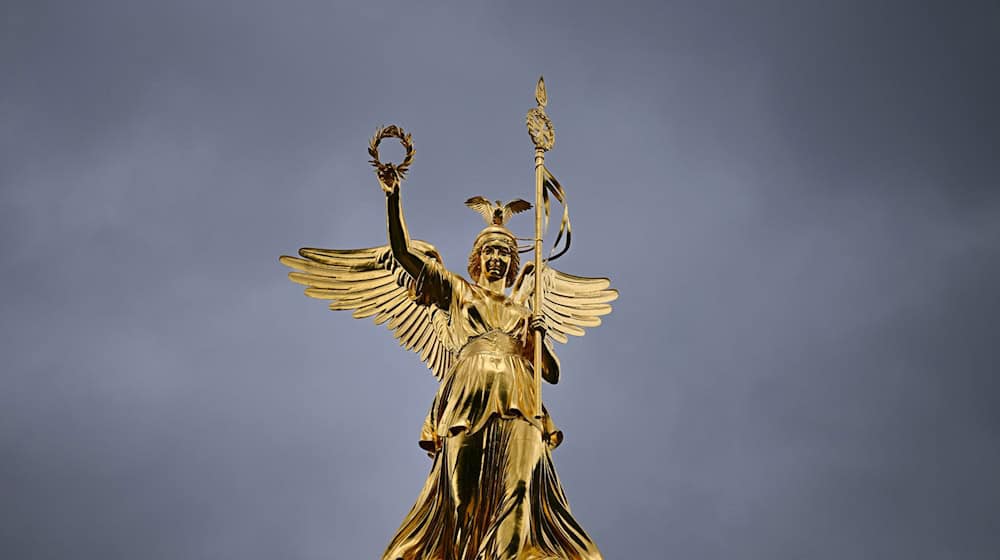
390,177
379,282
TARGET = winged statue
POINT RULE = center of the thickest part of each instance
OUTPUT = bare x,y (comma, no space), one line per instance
492,491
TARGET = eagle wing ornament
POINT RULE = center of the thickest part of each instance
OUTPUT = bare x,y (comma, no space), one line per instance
373,284
482,205
569,303
515,207
497,214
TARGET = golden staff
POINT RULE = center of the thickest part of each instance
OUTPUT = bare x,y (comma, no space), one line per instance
543,136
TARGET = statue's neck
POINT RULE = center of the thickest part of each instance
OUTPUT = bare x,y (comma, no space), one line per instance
495,286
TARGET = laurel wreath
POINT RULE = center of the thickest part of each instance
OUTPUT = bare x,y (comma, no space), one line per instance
540,128
390,172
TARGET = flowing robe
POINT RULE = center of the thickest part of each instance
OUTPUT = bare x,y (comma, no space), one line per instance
492,493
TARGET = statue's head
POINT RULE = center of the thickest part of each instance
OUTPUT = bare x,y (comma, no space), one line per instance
494,256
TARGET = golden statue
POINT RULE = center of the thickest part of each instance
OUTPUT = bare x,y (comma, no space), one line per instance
492,492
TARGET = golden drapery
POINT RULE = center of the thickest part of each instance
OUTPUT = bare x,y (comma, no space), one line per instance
492,492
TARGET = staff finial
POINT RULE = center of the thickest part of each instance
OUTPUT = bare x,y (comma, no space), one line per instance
540,97
543,136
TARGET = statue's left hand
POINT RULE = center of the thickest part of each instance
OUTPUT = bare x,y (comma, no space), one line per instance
537,323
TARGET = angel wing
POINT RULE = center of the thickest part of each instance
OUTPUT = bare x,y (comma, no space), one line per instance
569,303
373,284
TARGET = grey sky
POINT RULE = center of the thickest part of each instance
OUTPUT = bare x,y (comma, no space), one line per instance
797,200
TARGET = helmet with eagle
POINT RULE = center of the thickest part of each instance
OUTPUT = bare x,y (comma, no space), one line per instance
496,215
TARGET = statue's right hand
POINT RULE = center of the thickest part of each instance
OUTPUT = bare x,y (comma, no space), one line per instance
388,179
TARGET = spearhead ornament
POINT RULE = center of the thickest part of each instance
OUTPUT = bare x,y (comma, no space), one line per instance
540,97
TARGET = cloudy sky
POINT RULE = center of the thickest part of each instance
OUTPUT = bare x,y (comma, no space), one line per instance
798,201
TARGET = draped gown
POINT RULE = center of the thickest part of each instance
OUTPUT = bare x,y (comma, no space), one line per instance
492,492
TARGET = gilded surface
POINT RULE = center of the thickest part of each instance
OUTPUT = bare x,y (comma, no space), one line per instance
492,491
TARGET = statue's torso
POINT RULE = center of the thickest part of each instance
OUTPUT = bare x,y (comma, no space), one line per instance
491,375
478,311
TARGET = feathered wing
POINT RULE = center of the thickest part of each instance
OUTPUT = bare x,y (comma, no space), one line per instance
373,284
569,303
515,207
483,206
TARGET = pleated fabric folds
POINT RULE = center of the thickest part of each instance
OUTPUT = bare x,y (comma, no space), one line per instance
492,495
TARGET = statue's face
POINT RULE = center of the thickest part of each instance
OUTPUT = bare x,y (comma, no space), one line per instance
494,260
